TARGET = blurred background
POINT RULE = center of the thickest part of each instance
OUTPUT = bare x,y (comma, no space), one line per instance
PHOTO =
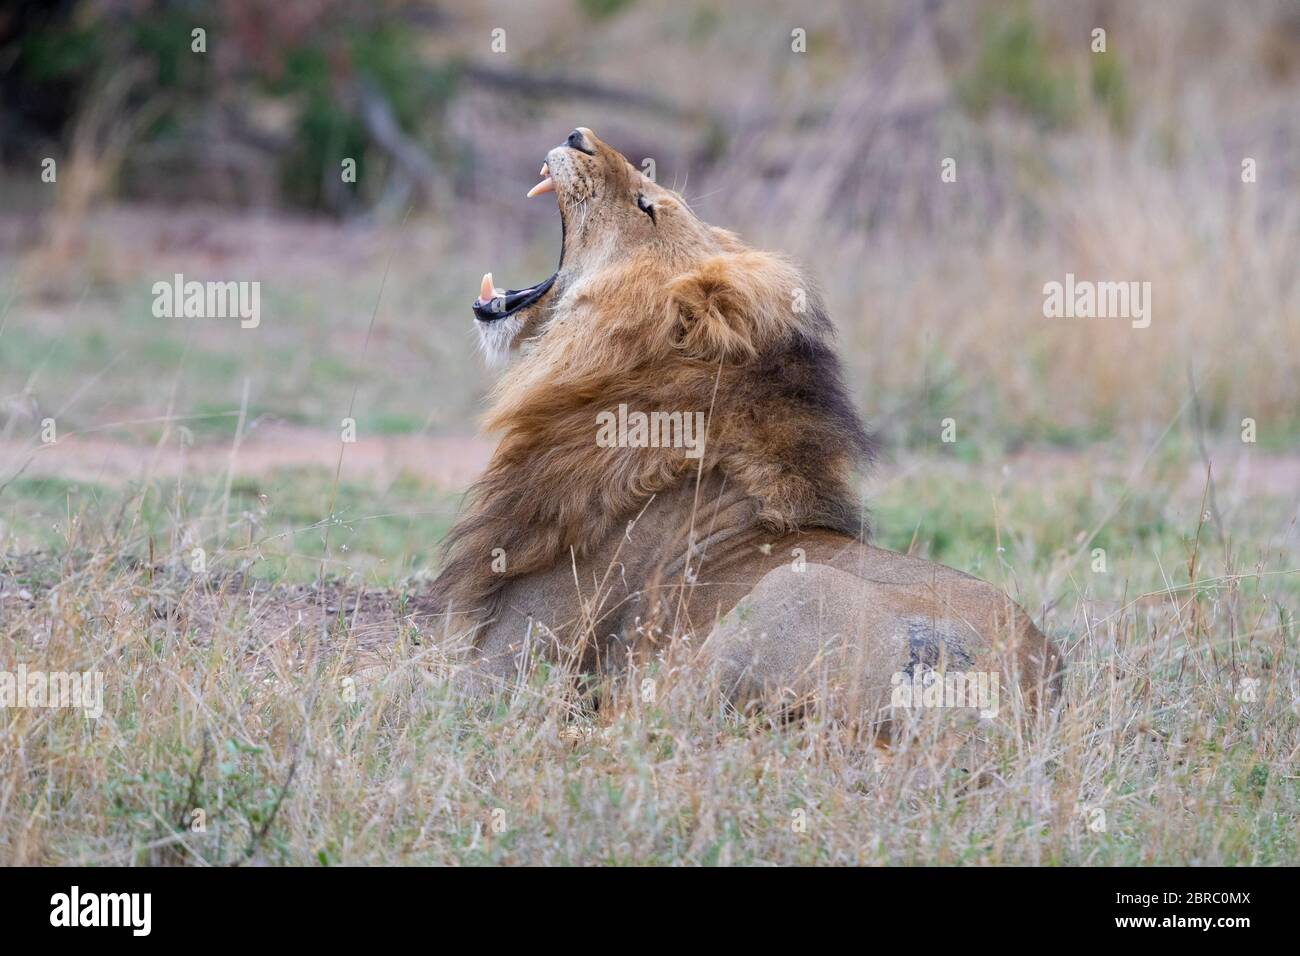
819,130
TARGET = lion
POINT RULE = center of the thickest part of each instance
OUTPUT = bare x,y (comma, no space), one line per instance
747,544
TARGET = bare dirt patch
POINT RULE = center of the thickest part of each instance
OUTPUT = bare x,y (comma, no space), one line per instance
450,461
275,625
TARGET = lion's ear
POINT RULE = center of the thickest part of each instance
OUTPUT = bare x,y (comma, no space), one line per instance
731,307
705,309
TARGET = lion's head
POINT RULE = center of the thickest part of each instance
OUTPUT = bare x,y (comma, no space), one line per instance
651,310
609,212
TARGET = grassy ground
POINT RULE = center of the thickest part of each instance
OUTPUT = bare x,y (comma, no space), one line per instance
330,739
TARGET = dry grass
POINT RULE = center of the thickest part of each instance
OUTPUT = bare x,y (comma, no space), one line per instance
318,726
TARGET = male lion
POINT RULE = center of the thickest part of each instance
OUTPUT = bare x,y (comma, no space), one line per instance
745,544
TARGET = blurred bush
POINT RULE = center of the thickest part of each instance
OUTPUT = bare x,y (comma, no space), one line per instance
1015,68
280,95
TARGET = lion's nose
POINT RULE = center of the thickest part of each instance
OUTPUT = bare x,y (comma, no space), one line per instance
580,139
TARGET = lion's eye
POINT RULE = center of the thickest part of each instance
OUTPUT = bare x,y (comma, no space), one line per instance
645,206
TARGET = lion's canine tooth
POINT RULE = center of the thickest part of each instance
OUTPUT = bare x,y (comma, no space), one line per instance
547,185
543,171
485,291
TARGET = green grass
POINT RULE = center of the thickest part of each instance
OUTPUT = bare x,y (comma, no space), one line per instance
279,528
107,359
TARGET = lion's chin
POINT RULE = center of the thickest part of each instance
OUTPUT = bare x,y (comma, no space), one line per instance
495,338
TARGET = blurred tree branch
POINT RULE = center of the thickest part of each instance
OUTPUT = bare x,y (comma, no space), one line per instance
524,83
410,161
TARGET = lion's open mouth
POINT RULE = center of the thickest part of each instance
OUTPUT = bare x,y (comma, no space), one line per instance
490,306
493,304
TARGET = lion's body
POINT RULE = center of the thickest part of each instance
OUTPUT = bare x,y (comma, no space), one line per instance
775,617
750,555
